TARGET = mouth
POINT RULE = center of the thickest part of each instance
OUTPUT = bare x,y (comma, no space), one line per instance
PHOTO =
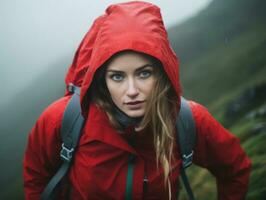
134,102
134,105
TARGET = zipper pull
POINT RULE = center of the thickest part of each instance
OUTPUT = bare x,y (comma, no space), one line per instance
145,186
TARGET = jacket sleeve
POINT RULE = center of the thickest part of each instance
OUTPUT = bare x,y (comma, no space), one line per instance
42,157
220,152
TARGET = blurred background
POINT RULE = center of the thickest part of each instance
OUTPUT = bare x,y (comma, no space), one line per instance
221,45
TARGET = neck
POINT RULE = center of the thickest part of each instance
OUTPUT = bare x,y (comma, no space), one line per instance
125,120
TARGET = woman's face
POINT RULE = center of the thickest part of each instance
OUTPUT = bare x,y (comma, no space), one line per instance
130,78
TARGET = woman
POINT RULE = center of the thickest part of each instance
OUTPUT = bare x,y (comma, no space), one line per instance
125,65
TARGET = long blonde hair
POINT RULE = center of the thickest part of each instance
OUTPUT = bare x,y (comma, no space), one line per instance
160,115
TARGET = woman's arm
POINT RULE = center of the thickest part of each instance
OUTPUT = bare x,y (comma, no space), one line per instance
220,152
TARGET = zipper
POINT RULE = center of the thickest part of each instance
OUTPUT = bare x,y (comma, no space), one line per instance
130,171
145,185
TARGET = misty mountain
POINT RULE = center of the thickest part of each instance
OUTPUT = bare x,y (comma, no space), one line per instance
18,117
225,39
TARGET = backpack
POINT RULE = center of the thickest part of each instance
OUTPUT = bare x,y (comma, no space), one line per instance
71,128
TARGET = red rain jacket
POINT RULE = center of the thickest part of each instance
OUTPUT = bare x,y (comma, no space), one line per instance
100,164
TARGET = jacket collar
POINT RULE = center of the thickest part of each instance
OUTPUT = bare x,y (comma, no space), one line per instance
98,128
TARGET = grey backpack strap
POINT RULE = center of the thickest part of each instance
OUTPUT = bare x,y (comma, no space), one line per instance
70,133
186,137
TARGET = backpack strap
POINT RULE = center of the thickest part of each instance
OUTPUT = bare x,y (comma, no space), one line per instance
186,138
70,133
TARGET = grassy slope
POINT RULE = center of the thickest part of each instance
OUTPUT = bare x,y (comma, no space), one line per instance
222,53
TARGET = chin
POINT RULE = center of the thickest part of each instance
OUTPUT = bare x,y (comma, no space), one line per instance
135,113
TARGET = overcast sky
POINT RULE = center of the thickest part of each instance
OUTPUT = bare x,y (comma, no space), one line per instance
35,34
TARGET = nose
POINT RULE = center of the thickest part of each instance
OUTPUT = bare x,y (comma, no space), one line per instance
132,89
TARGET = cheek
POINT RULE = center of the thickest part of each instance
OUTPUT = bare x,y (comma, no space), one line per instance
148,86
115,91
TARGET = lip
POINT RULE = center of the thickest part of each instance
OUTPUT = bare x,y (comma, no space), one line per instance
134,102
134,105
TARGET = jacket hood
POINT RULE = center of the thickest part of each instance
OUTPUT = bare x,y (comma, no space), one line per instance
136,26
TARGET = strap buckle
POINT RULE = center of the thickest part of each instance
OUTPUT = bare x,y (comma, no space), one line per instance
71,87
187,159
66,154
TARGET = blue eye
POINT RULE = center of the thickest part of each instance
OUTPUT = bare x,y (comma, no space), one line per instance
117,77
145,74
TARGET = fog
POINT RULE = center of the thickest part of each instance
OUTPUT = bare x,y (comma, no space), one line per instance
34,34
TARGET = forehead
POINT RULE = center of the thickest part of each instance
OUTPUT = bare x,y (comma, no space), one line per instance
128,60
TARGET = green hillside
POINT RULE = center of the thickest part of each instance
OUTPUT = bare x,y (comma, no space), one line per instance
222,52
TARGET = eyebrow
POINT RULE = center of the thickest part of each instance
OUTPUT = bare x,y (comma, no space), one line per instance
138,69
